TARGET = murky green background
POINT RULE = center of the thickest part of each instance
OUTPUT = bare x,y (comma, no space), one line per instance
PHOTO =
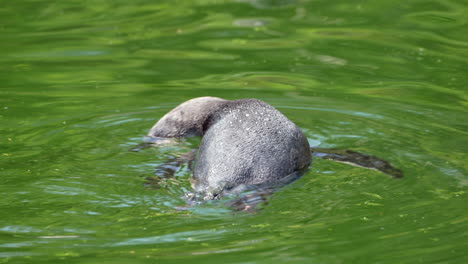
82,81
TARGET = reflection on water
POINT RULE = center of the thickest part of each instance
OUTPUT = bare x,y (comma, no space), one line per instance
80,86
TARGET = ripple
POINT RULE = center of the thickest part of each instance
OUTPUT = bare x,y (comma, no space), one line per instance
189,236
346,112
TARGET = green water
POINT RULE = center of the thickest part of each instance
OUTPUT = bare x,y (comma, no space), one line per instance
81,82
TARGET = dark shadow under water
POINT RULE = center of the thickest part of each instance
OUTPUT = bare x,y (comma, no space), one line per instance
248,197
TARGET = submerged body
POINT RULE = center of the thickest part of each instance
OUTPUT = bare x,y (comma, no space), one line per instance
245,142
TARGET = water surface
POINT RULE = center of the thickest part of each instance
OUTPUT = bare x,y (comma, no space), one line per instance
81,83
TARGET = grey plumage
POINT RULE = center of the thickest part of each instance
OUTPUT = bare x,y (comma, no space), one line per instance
245,142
